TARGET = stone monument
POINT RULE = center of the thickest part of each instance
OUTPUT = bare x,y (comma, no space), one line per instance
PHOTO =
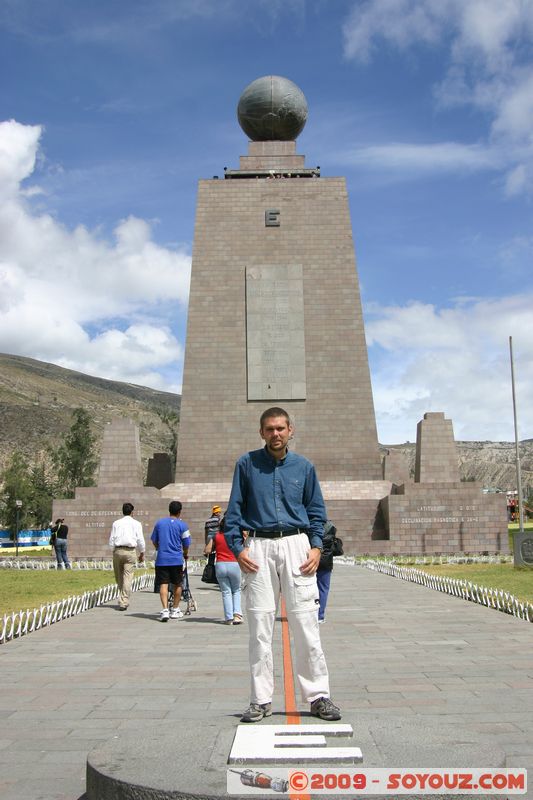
274,313
90,514
275,319
438,513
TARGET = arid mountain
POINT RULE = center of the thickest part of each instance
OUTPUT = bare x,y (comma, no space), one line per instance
493,464
37,399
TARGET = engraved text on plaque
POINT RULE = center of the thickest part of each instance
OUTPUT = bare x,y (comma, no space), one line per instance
275,344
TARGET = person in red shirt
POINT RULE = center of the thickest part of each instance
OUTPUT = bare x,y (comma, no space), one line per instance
228,575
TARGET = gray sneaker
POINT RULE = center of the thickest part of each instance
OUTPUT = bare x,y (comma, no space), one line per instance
323,707
255,712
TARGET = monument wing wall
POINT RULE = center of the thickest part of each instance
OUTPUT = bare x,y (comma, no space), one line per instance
446,518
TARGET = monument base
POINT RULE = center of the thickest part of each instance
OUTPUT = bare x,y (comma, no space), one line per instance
156,766
129,767
354,507
372,517
379,518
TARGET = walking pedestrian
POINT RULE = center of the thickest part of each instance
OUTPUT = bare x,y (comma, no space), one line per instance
171,538
125,539
228,575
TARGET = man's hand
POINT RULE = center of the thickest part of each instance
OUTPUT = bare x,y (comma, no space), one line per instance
246,563
310,566
141,558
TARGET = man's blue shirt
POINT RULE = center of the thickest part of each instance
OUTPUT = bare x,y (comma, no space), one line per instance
271,494
170,535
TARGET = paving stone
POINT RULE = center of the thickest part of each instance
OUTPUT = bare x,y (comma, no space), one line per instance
198,679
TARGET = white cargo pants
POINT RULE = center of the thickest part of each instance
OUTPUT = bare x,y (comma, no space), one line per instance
279,571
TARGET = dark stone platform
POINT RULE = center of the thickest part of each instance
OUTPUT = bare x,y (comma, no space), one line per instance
184,761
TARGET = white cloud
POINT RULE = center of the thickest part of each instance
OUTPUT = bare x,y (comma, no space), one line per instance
132,24
454,360
517,180
516,256
400,22
73,298
146,346
491,30
18,151
423,158
515,111
489,64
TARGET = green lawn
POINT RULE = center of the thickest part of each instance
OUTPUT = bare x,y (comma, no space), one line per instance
28,589
29,552
518,582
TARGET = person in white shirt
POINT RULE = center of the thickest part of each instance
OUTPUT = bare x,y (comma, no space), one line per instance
126,537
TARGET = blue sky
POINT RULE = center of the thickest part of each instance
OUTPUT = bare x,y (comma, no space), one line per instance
112,111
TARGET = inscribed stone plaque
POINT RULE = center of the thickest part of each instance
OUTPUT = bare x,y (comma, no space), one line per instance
275,344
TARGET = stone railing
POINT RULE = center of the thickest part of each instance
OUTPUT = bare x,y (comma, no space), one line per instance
492,598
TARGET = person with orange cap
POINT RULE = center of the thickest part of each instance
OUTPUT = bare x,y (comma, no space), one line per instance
213,523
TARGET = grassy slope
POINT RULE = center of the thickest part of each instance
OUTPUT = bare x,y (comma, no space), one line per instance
37,399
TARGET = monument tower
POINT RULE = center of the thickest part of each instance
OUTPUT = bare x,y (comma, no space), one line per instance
275,319
275,313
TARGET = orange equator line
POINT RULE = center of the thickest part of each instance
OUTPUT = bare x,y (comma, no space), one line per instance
293,716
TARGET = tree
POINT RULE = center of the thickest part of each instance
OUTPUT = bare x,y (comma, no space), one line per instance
16,481
529,502
43,490
75,458
33,487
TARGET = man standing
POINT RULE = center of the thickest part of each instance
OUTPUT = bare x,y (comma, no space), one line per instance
276,497
126,537
212,526
171,538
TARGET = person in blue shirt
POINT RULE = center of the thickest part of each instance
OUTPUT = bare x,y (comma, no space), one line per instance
276,496
171,538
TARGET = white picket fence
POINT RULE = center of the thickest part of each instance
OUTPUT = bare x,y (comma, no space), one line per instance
448,558
193,565
491,598
49,563
20,623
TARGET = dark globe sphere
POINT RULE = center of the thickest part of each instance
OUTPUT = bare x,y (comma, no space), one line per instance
272,108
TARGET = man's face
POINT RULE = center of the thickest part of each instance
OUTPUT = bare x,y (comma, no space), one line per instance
276,433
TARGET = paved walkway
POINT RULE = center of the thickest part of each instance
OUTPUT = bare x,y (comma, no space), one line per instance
426,680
